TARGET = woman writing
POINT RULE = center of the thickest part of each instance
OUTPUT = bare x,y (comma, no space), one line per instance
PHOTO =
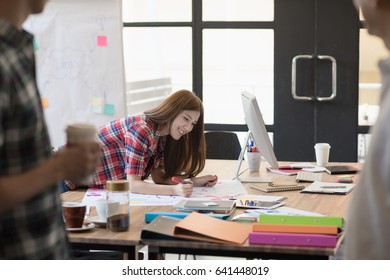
165,141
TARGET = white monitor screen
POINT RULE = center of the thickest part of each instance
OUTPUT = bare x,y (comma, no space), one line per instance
256,126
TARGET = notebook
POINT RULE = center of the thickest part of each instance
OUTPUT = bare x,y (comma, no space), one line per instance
150,216
260,201
207,206
302,220
161,227
277,188
329,188
204,228
293,239
308,177
341,169
296,228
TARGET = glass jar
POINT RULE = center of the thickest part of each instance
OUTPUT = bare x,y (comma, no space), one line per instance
118,207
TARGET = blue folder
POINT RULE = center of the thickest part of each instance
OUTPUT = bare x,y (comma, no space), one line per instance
150,216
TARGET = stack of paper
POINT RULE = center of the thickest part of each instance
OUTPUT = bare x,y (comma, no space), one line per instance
260,201
288,230
207,206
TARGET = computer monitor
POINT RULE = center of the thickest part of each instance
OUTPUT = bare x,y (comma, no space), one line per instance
257,129
256,126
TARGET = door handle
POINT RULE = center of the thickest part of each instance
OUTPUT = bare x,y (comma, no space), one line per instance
294,77
334,78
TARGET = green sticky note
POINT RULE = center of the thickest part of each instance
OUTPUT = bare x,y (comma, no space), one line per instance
109,109
35,45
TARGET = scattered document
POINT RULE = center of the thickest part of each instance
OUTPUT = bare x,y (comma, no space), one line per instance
295,168
283,211
260,201
224,189
318,187
92,195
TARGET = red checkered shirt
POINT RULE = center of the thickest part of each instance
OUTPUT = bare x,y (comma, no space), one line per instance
131,145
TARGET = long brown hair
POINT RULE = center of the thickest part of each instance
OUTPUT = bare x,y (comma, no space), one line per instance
187,155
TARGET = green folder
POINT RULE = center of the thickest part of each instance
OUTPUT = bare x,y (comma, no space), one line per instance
301,220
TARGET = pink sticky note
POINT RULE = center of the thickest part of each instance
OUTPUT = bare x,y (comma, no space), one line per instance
102,41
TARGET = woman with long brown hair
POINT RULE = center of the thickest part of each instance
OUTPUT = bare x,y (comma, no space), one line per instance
165,141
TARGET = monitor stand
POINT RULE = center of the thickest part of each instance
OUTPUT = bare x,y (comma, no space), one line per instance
251,179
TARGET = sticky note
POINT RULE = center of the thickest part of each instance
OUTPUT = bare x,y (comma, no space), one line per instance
102,41
97,105
109,109
45,102
35,45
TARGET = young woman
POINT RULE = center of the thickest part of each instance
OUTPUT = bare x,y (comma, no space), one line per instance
163,142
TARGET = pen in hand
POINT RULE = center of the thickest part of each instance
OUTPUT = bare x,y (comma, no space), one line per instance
179,180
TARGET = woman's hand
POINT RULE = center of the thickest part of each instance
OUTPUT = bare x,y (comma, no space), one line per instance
184,189
205,181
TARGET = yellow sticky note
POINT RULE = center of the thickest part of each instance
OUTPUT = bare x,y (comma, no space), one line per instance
97,101
97,105
45,102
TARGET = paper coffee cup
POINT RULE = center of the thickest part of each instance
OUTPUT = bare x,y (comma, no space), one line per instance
106,208
322,153
78,133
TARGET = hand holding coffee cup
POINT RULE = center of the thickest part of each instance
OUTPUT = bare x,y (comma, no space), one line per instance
74,214
78,134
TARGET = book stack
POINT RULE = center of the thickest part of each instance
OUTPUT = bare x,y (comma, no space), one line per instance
260,201
286,230
206,206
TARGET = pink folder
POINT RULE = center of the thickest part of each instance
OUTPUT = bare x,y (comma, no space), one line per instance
293,239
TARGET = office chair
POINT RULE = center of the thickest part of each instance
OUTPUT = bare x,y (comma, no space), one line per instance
222,145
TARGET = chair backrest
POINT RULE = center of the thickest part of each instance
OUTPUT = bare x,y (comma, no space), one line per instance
222,145
143,95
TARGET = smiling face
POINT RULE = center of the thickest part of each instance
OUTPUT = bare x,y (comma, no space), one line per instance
183,123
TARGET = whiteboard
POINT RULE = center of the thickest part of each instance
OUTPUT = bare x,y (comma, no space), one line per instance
80,69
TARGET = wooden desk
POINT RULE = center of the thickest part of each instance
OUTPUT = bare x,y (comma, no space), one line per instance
129,241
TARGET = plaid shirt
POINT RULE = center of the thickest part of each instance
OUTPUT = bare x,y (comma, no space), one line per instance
33,229
131,145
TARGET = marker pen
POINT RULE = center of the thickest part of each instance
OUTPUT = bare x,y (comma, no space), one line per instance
179,180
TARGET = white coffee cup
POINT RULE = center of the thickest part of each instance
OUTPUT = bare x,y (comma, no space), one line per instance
106,208
322,153
78,133
254,160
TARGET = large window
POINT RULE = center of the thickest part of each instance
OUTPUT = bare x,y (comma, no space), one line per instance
216,48
219,48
